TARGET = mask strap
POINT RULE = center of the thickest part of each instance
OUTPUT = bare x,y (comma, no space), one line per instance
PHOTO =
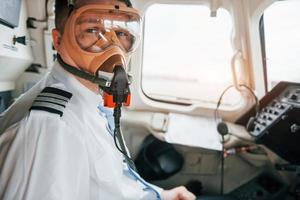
128,3
71,5
102,82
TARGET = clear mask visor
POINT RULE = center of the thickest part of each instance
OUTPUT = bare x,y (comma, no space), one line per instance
98,30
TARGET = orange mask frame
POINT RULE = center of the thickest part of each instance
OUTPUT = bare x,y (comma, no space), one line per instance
90,61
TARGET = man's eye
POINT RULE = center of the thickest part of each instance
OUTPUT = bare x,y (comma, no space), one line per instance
91,30
121,34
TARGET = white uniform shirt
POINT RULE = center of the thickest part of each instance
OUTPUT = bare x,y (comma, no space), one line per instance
45,156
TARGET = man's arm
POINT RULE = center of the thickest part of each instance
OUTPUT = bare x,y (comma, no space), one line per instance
45,161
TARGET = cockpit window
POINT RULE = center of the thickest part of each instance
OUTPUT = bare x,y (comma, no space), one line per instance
187,54
282,42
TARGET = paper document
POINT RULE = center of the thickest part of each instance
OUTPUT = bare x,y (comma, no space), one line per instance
193,131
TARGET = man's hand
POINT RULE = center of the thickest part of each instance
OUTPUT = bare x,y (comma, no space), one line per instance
178,193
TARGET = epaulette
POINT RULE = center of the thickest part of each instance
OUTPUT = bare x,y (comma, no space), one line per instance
52,100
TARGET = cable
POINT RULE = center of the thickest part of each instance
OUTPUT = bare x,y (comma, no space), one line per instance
222,167
119,89
148,186
118,136
216,113
257,104
217,116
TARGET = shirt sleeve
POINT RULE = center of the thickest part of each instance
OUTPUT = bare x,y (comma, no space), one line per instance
158,189
47,160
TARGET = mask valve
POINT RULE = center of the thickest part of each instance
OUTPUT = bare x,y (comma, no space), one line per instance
118,92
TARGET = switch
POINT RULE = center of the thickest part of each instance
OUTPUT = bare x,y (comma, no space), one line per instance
294,97
281,107
270,118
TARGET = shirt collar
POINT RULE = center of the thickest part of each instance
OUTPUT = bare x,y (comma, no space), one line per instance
75,87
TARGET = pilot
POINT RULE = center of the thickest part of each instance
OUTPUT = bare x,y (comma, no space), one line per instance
56,140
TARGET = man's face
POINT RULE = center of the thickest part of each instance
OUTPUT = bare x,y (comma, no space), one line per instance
100,34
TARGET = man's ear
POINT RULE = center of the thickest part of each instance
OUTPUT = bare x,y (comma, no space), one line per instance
56,37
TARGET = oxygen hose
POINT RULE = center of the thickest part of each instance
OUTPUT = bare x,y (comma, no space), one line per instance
119,89
118,137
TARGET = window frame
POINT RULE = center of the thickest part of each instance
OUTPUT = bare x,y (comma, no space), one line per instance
263,45
190,102
263,51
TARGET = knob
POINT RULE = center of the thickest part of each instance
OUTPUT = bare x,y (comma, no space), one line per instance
21,40
294,97
270,118
281,107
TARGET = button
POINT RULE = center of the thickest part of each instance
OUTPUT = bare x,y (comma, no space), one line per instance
270,118
281,107
294,97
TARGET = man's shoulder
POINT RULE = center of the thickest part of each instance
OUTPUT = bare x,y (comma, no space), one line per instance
48,110
52,100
